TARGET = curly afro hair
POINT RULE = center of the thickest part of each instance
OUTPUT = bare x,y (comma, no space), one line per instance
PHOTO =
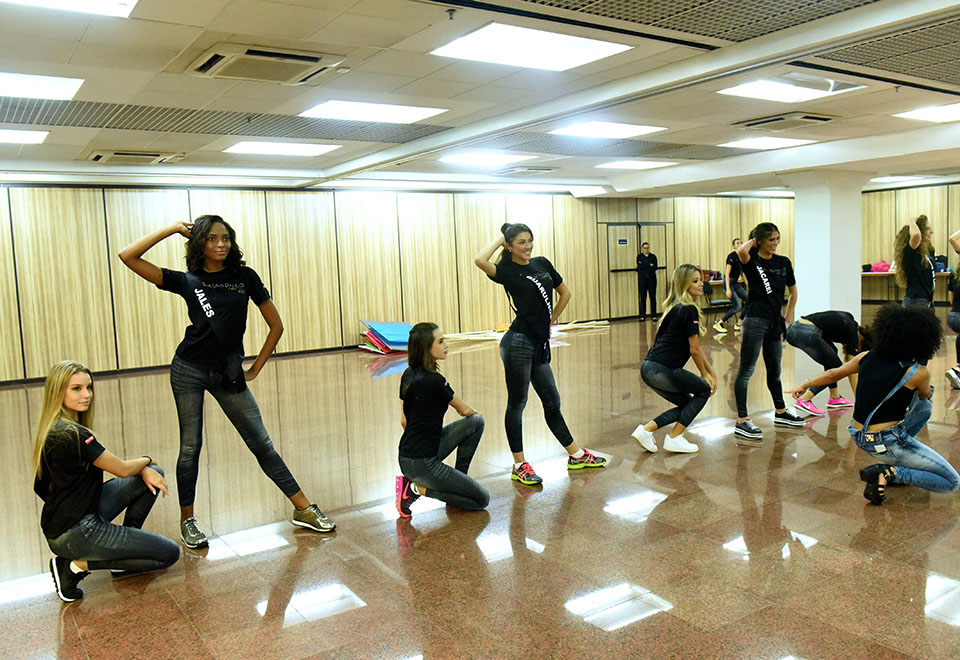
906,334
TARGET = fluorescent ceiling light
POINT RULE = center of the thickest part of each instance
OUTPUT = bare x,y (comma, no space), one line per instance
606,129
937,113
380,184
382,112
280,148
535,49
22,137
894,179
120,8
765,143
634,164
26,86
756,193
484,158
806,89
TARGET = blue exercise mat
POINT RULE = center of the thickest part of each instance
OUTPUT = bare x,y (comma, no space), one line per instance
394,335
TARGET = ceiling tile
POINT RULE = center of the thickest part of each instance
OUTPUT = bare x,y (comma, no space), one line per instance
36,49
357,81
404,63
182,12
435,88
46,23
479,73
258,17
357,30
123,57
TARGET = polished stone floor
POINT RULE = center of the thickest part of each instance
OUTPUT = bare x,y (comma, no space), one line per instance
766,550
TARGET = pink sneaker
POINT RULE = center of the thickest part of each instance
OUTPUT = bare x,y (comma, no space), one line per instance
808,407
839,402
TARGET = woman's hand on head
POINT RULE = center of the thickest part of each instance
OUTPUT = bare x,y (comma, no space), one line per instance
154,481
183,228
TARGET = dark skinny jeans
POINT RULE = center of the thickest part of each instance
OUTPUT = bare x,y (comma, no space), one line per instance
953,322
689,393
189,381
443,482
809,339
521,371
104,545
738,298
759,334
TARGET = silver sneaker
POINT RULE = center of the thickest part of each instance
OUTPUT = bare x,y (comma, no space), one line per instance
954,378
191,535
312,518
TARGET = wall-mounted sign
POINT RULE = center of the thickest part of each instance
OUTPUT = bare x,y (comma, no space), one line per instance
623,241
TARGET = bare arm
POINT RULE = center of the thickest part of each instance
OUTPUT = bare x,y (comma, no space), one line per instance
791,304
699,359
921,383
482,260
744,250
955,241
915,235
830,377
462,408
270,314
403,416
564,292
131,256
127,468
726,279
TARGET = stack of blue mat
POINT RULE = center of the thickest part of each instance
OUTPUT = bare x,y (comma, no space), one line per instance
385,338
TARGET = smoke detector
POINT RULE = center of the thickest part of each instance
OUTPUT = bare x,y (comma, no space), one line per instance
263,64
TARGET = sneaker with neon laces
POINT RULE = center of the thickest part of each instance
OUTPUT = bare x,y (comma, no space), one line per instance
312,518
524,474
65,580
718,326
405,496
736,328
954,377
588,460
808,407
839,402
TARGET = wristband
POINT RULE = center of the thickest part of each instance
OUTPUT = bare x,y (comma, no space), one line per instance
149,460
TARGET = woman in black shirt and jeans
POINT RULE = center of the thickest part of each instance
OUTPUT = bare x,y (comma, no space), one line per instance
678,339
425,442
913,251
769,275
737,295
525,348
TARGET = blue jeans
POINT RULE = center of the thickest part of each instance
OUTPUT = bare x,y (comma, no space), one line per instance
809,339
738,296
917,465
759,333
689,393
189,380
104,545
521,370
909,301
443,482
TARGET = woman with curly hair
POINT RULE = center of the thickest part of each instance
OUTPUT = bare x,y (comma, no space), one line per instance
913,252
893,403
217,287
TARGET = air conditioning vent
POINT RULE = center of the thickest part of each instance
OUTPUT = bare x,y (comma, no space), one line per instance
524,170
285,67
134,157
785,121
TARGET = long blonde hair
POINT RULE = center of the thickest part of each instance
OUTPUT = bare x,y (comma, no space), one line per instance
680,282
902,242
54,389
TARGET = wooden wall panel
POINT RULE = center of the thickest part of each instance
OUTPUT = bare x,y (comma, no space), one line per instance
724,227
305,269
483,303
693,230
428,259
931,202
656,210
367,234
149,322
623,286
245,211
953,218
616,209
878,226
62,271
576,238
603,266
11,356
535,211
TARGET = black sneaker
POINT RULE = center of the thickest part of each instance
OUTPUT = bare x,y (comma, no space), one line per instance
787,418
404,496
748,429
65,580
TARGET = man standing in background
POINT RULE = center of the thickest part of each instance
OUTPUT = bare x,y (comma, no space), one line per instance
647,281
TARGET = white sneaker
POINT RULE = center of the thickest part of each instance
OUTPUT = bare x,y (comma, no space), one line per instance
645,438
954,378
680,445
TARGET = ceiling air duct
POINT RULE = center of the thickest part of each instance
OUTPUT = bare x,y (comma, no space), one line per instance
262,64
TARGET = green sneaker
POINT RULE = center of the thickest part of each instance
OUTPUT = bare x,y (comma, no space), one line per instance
525,475
588,460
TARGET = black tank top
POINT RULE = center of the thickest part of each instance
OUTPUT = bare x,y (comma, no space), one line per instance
878,375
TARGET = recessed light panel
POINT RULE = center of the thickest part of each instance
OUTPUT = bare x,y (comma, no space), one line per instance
606,129
765,143
281,148
22,137
26,86
936,113
634,164
484,158
120,8
771,90
382,112
894,179
534,49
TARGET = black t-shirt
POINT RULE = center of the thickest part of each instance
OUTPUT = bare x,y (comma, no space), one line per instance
954,287
647,265
222,300
671,348
69,483
837,327
919,271
736,268
531,290
768,280
878,375
425,395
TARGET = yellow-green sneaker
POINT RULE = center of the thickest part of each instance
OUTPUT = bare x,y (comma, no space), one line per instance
588,460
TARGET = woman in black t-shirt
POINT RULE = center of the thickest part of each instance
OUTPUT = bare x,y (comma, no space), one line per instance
769,276
732,273
217,288
525,348
893,402
678,339
913,252
68,465
425,442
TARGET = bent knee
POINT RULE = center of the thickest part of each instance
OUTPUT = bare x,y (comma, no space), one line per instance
482,499
170,554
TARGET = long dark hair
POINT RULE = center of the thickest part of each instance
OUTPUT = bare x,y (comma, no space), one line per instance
763,231
902,242
510,231
419,345
906,334
198,239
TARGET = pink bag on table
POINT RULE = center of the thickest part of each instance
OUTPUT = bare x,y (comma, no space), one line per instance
880,267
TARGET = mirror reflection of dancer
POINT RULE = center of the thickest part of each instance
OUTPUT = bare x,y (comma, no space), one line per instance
78,505
815,335
647,281
525,348
678,339
913,251
736,294
217,288
425,442
953,318
769,276
893,402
